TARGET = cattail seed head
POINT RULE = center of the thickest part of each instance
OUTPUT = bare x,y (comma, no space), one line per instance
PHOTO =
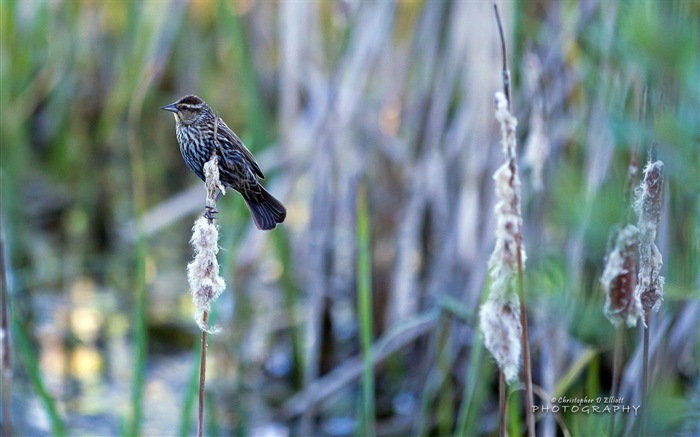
508,125
203,271
499,322
500,314
619,278
648,206
212,183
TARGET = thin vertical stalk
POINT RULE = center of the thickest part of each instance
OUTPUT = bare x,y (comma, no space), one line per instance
202,375
471,389
5,334
504,53
212,420
529,415
256,114
617,360
138,182
437,374
27,351
364,301
645,374
502,404
203,271
633,166
138,176
188,403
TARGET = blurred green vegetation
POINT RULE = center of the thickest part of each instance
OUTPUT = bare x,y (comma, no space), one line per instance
331,96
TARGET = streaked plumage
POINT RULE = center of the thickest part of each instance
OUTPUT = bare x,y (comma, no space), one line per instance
195,124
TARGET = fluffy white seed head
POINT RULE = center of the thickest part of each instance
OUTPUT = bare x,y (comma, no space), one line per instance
203,271
508,125
212,182
500,314
499,322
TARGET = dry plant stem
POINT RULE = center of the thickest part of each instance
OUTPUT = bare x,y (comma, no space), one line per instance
5,334
645,373
649,282
506,70
617,359
202,375
502,404
633,168
529,415
203,271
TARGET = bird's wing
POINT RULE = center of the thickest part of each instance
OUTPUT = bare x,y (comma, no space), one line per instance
227,135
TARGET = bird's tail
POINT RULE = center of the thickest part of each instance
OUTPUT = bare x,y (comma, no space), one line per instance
265,209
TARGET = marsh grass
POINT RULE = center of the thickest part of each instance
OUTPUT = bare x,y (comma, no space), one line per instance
30,361
326,94
364,299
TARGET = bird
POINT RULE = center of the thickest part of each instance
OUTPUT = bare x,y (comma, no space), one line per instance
195,126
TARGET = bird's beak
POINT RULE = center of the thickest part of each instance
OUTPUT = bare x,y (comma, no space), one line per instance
171,107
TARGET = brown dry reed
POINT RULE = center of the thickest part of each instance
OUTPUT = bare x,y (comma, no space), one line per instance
500,314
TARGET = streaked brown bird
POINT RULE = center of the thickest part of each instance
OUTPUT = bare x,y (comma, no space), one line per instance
195,124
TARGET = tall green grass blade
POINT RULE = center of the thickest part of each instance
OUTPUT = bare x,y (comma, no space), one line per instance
574,371
30,361
474,387
256,114
190,395
364,303
515,424
140,339
446,394
291,295
434,378
211,416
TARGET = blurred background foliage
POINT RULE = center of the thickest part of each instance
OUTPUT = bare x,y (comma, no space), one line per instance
333,96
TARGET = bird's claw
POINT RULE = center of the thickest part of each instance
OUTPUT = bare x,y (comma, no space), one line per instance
210,214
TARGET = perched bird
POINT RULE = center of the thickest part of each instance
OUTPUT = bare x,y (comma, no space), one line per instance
195,124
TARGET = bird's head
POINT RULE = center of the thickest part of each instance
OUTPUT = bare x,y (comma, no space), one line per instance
189,109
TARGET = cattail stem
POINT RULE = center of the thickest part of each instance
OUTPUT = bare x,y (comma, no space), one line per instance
203,271
645,373
502,404
617,359
202,375
649,282
506,70
529,414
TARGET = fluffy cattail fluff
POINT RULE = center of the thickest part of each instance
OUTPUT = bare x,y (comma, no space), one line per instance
619,278
203,272
648,205
500,314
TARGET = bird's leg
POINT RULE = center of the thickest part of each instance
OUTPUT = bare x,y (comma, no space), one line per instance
210,213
